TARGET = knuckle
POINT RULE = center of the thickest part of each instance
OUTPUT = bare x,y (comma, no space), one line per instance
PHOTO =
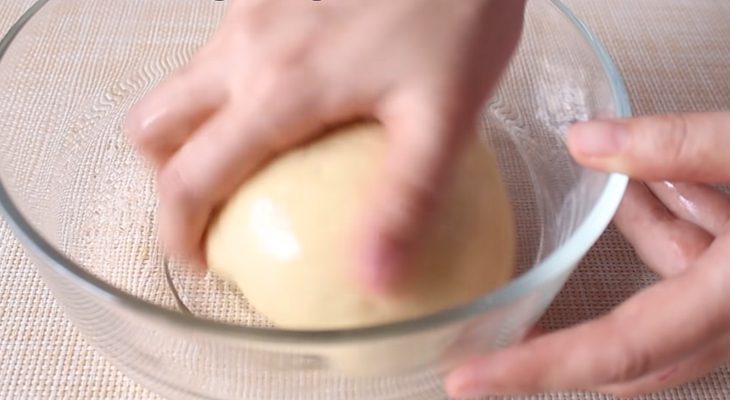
289,96
174,189
276,50
281,79
688,248
674,137
624,361
632,365
290,56
251,18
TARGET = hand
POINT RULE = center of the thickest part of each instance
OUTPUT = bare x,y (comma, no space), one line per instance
279,72
672,332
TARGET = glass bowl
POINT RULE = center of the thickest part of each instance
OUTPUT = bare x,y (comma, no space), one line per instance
83,205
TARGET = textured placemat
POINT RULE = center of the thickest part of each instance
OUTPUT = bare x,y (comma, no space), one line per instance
675,57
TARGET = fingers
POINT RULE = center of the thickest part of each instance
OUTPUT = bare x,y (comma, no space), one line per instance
695,366
656,328
417,163
665,243
213,163
186,182
160,123
699,204
677,147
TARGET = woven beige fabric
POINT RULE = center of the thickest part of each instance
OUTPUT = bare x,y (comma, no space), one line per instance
675,56
42,355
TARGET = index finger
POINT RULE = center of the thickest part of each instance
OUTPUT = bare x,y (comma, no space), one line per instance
678,147
655,328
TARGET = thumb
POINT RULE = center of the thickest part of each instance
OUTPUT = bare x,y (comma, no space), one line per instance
678,147
418,160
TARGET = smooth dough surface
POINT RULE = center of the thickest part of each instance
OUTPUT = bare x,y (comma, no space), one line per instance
285,236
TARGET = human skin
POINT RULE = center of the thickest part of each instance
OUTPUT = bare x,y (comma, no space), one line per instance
279,72
671,332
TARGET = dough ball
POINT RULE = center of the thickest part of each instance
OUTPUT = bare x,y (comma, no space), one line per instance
285,237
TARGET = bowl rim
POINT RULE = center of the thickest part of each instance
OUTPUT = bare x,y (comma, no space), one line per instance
559,261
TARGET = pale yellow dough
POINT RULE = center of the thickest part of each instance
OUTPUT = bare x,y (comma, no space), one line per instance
286,236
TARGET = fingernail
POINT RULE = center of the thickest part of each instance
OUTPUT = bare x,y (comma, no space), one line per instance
598,139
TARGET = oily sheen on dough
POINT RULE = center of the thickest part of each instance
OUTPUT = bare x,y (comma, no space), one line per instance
285,237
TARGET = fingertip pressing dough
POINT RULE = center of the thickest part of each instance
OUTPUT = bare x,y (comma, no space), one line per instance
284,237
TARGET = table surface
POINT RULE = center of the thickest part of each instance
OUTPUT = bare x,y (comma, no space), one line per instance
675,56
